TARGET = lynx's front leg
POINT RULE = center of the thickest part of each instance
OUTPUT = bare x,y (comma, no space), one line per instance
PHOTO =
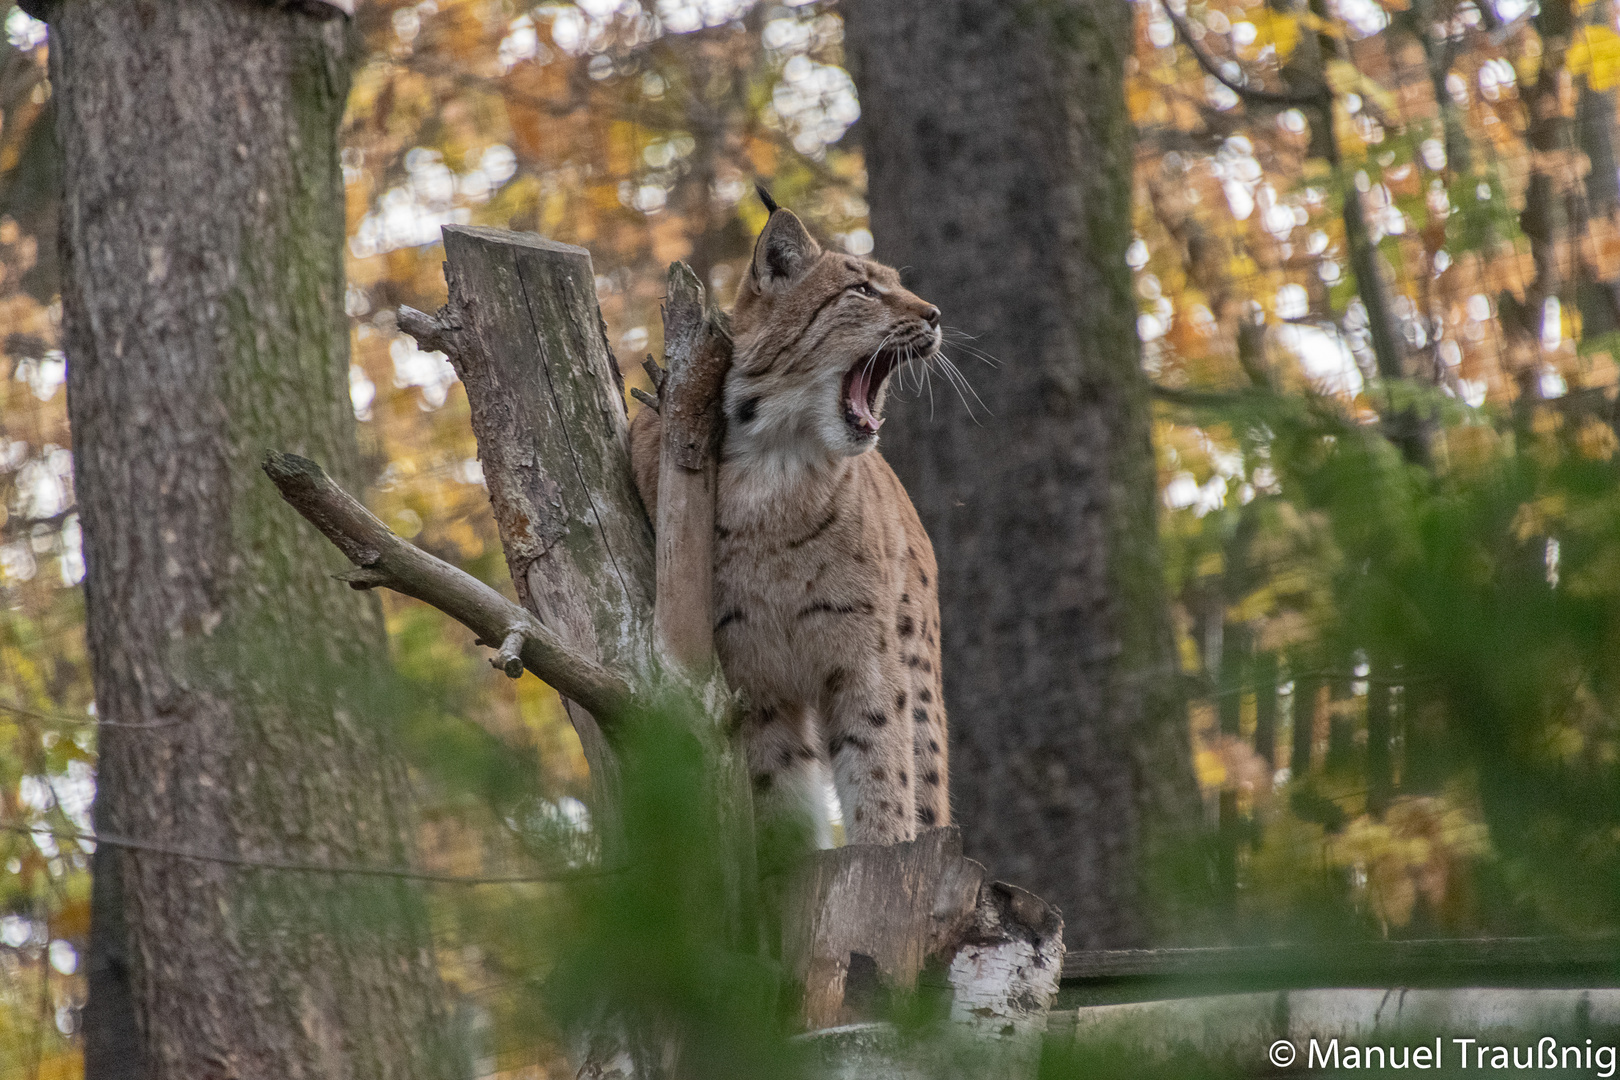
869,742
789,793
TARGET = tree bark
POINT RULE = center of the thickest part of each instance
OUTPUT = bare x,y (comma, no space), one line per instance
203,322
999,160
526,338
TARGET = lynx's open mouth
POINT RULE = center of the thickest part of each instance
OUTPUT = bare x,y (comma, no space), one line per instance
862,384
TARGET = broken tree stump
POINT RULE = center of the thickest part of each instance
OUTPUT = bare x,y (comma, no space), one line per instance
526,338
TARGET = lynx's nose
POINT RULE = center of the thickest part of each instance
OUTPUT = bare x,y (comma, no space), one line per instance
930,316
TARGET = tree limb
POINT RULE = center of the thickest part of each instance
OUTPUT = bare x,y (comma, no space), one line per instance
697,350
1316,97
432,332
383,559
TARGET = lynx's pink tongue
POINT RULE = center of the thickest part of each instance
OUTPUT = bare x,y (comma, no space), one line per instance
860,393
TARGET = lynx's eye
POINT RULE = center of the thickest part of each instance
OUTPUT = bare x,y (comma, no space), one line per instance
865,289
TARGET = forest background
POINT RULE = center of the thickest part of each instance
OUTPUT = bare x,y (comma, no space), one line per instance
1377,263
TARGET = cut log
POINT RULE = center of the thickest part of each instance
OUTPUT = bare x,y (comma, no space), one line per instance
864,922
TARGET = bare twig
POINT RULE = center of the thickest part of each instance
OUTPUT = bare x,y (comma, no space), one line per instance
325,8
1206,399
18,526
382,559
510,657
431,332
1315,97
63,718
655,373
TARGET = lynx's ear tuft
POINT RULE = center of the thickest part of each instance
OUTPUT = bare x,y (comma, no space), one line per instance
784,252
765,197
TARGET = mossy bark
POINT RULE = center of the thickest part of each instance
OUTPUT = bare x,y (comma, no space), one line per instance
999,157
203,323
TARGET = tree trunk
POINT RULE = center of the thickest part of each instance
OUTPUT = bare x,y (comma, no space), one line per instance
239,686
999,156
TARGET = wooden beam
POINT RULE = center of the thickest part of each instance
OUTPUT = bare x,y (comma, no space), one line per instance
1134,974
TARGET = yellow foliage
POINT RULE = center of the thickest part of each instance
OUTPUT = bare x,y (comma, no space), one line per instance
1595,53
1472,448
1416,850
1284,630
68,1065
1343,77
1274,28
1538,517
1596,440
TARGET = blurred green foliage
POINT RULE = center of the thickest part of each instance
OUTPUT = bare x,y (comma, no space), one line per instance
1397,599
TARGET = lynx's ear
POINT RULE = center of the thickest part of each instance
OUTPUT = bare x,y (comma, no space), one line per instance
784,251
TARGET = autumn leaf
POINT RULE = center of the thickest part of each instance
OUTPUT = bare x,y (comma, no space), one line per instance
1595,53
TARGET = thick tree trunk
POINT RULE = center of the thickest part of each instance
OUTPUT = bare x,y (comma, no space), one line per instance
203,322
999,156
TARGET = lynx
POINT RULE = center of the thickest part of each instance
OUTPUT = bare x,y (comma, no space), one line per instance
826,602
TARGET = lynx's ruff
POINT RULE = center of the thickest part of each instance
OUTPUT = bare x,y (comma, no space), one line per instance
826,609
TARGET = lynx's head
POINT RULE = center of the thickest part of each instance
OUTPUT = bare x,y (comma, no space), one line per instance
818,334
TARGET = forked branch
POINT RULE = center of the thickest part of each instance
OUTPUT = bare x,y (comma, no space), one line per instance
383,560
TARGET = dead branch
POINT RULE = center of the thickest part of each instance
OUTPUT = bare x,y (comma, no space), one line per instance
697,352
432,332
382,559
1315,97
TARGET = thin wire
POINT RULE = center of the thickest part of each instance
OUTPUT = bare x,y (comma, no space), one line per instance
62,718
289,866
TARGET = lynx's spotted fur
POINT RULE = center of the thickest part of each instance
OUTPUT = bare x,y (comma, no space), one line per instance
827,613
